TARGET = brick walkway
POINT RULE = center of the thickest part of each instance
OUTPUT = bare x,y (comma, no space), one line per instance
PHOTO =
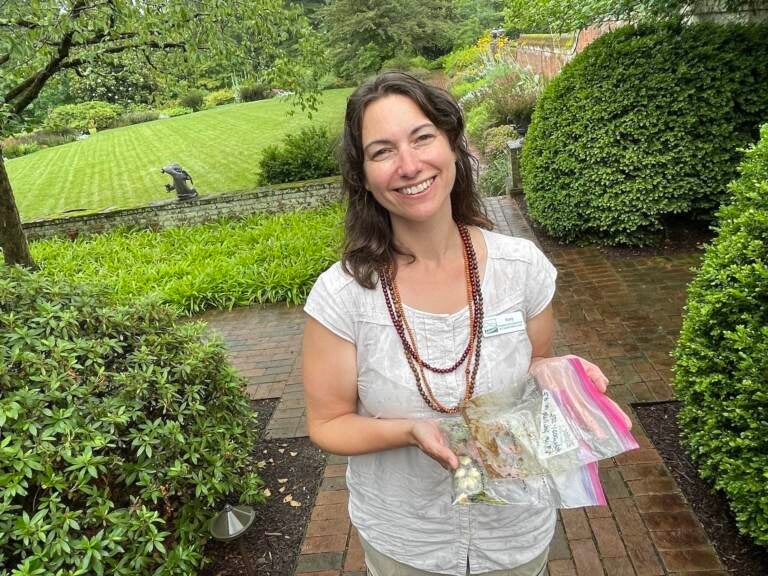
623,312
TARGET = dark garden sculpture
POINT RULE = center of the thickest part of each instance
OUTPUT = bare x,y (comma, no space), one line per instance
180,177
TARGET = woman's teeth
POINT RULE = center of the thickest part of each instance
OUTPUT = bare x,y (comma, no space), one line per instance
411,190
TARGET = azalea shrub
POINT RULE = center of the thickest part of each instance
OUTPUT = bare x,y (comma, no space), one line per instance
121,431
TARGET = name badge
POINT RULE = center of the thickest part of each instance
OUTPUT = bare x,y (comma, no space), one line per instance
504,323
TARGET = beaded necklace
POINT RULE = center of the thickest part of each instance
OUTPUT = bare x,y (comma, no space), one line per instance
471,353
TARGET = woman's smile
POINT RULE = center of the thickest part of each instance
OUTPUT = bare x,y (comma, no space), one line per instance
417,189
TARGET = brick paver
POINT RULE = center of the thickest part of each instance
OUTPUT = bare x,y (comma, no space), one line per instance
620,311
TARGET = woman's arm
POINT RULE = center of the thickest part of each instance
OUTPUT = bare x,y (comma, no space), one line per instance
541,332
330,392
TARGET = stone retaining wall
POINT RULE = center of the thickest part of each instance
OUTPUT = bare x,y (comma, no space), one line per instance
209,208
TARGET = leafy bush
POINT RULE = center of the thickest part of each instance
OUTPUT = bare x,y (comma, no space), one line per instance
84,116
478,121
493,180
253,92
512,97
461,90
121,431
262,258
194,99
176,111
137,117
305,155
415,65
495,140
220,97
12,148
722,353
461,59
646,123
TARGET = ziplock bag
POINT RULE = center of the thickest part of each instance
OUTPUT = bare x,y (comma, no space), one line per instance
471,485
555,422
469,482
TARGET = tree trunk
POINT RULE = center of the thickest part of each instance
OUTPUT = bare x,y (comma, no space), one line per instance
12,237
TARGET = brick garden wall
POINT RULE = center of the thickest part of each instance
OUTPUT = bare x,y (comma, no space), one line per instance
203,209
547,60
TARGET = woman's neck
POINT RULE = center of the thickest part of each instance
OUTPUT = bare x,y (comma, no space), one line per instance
431,243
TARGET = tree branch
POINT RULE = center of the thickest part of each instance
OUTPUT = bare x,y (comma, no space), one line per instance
122,48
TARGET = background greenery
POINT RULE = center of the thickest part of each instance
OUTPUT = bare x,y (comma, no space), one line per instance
122,433
262,258
722,353
219,147
646,123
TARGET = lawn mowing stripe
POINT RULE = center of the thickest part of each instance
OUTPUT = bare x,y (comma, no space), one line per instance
219,147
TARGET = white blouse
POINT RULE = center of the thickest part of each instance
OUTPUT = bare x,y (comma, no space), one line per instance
400,500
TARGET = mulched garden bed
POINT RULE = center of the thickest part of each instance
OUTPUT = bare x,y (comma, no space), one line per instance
680,235
738,553
289,467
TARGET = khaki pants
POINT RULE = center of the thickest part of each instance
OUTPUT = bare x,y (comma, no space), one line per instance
380,565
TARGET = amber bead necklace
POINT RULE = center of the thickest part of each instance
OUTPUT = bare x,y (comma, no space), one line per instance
470,357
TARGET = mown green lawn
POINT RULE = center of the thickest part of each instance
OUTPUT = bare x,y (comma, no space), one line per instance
220,148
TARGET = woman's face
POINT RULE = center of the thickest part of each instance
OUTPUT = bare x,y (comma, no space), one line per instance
408,162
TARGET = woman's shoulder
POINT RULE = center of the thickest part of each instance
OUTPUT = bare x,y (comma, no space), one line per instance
510,248
339,284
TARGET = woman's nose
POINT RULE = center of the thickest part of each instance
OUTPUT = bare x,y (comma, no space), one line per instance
409,163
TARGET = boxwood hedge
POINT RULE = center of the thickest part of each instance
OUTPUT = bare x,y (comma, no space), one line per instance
120,431
646,123
722,354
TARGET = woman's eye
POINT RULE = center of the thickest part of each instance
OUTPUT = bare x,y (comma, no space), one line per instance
424,138
380,154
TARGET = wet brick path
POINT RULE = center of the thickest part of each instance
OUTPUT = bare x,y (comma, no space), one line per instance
620,311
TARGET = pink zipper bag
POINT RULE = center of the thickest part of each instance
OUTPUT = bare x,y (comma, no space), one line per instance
557,421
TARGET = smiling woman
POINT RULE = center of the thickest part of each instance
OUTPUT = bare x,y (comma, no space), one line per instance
395,337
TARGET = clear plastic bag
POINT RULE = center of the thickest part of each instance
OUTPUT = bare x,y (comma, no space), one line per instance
555,422
469,482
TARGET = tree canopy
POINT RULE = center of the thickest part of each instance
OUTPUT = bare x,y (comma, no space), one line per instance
364,33
567,15
40,39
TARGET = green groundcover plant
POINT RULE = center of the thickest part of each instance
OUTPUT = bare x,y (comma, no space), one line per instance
722,353
262,258
120,433
644,124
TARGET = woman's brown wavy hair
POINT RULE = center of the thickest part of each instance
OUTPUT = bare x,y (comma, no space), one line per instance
369,243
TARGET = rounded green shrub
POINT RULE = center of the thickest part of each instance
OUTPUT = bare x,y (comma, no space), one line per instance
84,116
194,99
220,97
253,92
644,124
120,430
306,155
722,355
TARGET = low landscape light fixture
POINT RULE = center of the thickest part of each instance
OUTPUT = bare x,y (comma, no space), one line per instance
231,523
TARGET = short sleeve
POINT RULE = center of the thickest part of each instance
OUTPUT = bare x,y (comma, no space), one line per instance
539,283
326,304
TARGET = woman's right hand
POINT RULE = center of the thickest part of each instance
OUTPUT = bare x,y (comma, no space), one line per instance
428,437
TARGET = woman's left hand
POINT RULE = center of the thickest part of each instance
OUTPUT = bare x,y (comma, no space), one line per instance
600,380
595,374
